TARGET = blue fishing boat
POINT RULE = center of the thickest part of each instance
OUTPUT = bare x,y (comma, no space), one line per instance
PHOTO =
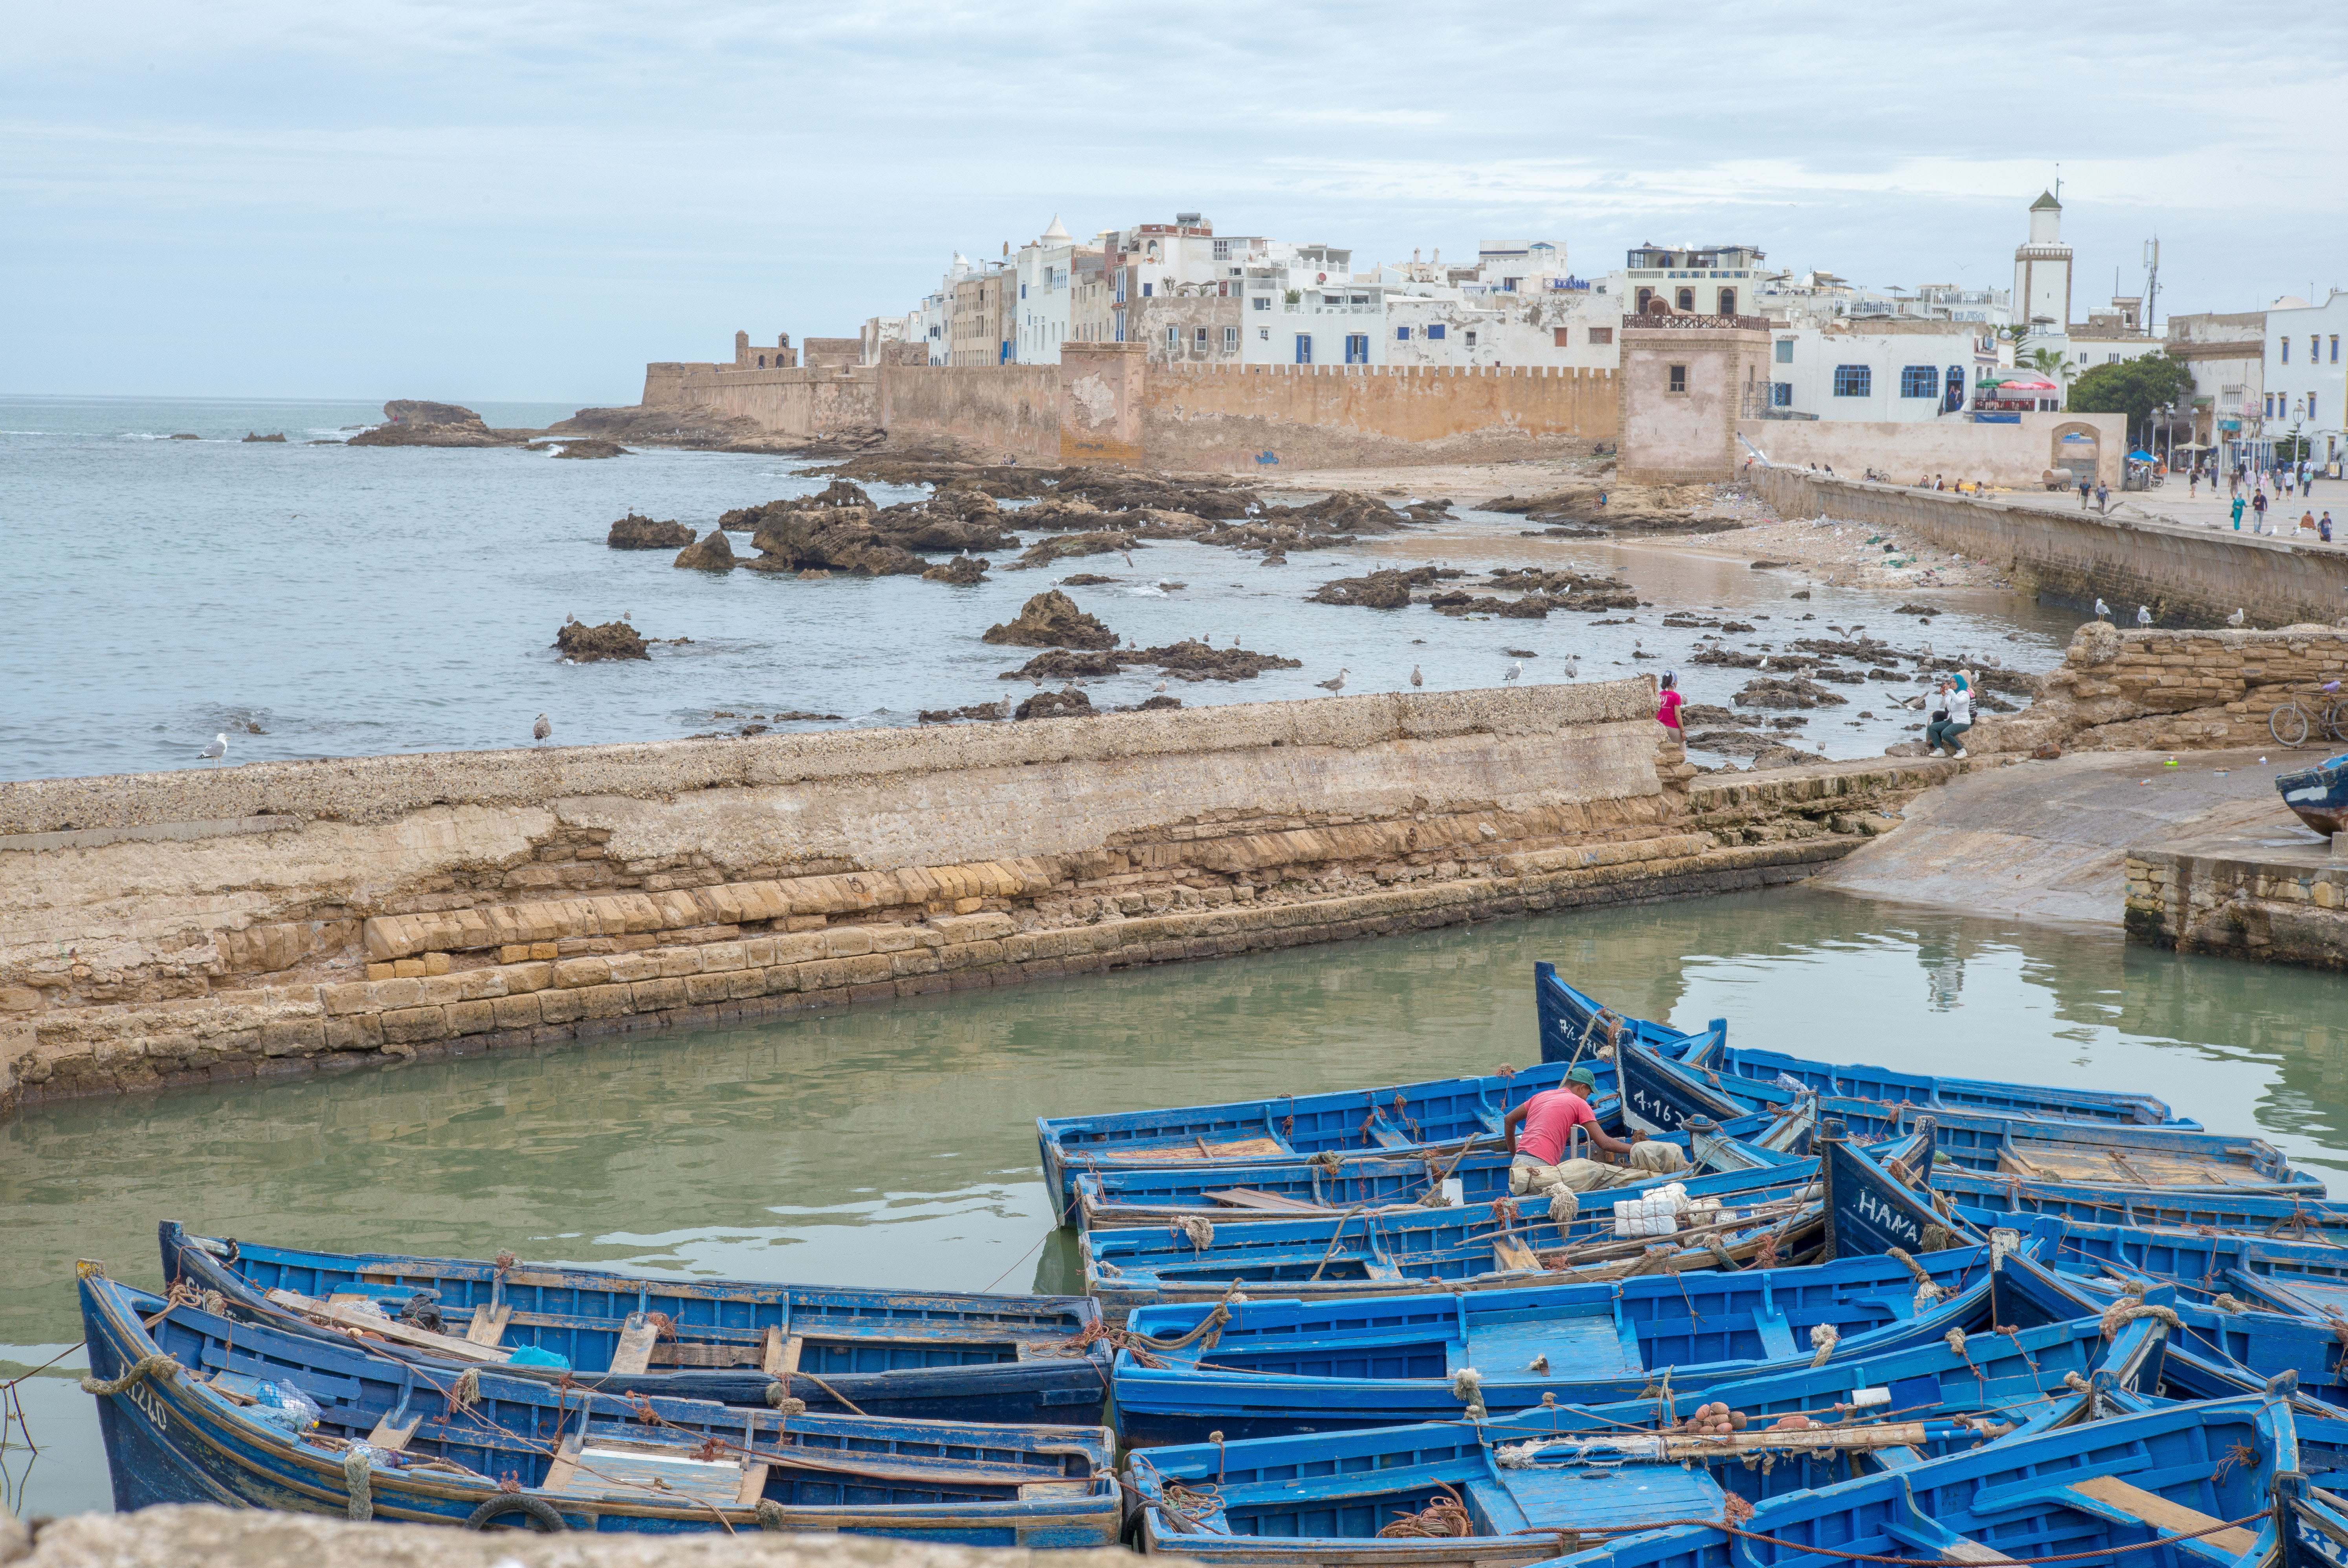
2194,1482
1568,1016
933,1355
1660,1094
195,1406
1717,1221
1271,1368
2013,1200
1327,1496
2318,797
1168,1194
1440,1114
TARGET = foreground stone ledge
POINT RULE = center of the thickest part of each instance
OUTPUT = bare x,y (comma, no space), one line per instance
192,1536
2272,904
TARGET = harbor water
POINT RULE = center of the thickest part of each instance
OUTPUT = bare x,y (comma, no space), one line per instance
895,1145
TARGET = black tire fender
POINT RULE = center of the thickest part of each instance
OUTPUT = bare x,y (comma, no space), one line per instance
541,1513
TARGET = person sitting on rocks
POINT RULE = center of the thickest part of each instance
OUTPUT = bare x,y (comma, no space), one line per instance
1954,718
1549,1119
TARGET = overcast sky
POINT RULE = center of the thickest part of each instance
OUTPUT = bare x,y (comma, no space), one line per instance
488,200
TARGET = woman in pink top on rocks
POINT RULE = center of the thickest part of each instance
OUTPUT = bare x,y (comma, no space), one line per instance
1550,1118
1667,707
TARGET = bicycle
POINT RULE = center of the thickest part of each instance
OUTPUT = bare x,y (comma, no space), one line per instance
2289,722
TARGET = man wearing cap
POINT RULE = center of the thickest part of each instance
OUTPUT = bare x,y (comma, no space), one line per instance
1550,1118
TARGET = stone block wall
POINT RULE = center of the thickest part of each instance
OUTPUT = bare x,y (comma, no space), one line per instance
2285,910
173,928
2175,690
2188,576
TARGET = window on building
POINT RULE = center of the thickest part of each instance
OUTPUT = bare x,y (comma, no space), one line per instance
2314,350
2335,348
1679,378
1304,348
1781,394
2310,408
1785,351
1173,337
1643,296
1358,299
1601,334
1263,334
1854,381
1231,340
2111,359
1686,299
1402,335
1199,338
762,362
1435,331
1022,291
1357,348
1954,392
1918,381
1471,337
1261,302
1728,302
2286,351
1561,337
1146,289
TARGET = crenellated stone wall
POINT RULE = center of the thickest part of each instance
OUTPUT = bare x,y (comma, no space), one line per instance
173,928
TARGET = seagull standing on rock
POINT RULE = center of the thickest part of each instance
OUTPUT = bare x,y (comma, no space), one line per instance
1336,683
2103,611
1573,667
1515,668
1416,679
216,751
2143,615
541,729
2235,618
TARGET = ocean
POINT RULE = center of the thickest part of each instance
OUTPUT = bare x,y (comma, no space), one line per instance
315,600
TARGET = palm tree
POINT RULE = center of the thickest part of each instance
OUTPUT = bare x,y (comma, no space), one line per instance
2056,367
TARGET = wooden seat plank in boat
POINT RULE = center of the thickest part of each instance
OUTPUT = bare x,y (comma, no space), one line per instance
1505,1344
1250,1198
2135,1168
343,1315
635,1351
2149,1508
1176,1153
1556,1497
489,1325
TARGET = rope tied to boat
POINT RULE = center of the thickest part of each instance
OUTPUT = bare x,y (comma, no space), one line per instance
1445,1517
1148,1350
1330,1159
2126,1310
1823,1339
2075,1383
1468,1388
1938,1238
780,1398
770,1515
468,1391
1197,1227
2225,1302
1900,1256
1189,1507
156,1365
357,1479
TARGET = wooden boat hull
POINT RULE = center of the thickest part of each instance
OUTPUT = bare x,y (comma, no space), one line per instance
2090,1490
1401,1252
1565,1011
1280,1367
179,1427
1435,1115
1663,1094
2318,797
920,1355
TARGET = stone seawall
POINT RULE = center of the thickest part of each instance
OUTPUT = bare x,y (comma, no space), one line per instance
174,927
2175,690
2283,904
2189,575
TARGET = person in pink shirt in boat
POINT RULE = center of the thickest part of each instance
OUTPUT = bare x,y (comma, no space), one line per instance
1549,1119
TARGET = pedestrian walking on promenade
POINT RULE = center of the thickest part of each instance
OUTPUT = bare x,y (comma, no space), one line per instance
2323,525
2085,490
2259,505
2237,511
2103,500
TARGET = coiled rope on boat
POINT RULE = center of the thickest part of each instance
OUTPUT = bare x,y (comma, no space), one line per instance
2127,1309
1197,1228
1148,1349
157,1365
1445,1517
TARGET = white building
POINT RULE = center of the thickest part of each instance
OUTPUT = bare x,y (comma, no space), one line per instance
1907,371
2306,390
933,317
1045,268
2041,268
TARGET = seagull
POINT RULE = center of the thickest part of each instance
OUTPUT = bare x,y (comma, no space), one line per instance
1928,651
216,751
2143,616
1235,639
1573,667
1515,668
1160,687
2235,618
569,620
541,729
2103,611
1415,678
1336,683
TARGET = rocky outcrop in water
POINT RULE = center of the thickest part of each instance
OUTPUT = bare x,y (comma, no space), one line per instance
1051,620
714,553
962,571
1770,693
1060,546
580,448
1388,590
976,711
1345,512
414,422
637,532
831,538
1068,705
279,437
1190,659
1570,590
613,640
1124,490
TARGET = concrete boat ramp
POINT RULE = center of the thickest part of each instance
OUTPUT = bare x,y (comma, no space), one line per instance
2050,840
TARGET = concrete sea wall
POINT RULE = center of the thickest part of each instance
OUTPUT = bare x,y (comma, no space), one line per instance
2016,455
2189,575
175,927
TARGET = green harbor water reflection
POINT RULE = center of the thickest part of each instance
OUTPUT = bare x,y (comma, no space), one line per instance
896,1146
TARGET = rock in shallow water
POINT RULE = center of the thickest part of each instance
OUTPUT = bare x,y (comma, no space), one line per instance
1052,619
714,553
638,532
1067,704
613,640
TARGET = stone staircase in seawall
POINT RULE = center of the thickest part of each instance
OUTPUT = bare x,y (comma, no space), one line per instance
445,906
